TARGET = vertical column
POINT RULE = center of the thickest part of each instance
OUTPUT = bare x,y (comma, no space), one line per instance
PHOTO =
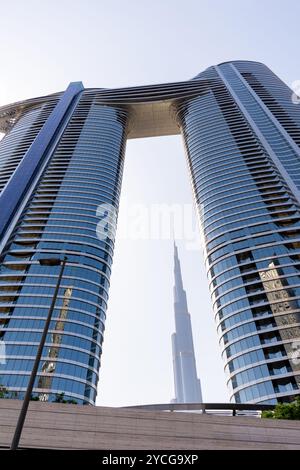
61,219
250,227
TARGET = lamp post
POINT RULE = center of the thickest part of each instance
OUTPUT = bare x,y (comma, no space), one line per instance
23,412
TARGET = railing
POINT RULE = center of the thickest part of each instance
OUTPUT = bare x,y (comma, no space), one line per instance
222,409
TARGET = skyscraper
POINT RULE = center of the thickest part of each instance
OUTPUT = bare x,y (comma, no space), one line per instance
187,384
63,156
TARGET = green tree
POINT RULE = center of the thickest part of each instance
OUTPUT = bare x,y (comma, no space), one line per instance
3,391
284,411
72,402
60,398
34,398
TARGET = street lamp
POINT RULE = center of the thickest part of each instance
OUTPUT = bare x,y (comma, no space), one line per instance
23,412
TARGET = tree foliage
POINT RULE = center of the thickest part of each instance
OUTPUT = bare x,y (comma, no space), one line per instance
284,411
3,391
60,398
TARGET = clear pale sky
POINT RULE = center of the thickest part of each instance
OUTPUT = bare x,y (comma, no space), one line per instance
46,44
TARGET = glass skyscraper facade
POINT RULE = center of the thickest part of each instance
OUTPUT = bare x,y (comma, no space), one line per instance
62,157
84,170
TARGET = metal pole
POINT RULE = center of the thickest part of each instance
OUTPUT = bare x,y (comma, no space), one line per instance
23,412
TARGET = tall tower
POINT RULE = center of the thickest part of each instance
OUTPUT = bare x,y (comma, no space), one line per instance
187,384
62,158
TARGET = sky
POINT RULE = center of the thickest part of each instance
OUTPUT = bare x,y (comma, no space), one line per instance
46,44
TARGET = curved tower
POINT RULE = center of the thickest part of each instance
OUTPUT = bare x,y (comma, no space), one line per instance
55,214
62,157
242,143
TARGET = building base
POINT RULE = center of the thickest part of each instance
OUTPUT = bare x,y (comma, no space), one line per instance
63,426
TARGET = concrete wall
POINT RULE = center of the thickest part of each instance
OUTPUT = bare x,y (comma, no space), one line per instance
63,426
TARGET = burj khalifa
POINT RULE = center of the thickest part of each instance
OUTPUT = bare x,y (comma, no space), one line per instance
187,384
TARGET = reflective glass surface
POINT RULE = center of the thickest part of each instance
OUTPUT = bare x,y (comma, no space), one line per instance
60,219
250,220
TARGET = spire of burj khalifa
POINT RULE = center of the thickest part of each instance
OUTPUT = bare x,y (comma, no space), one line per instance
187,384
